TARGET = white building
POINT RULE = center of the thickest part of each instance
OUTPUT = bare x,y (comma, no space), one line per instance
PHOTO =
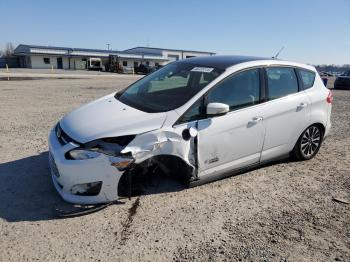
168,54
33,56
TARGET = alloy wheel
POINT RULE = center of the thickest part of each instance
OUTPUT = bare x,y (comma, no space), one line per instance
310,141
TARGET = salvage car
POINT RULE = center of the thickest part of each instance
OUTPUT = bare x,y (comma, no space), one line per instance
342,81
198,120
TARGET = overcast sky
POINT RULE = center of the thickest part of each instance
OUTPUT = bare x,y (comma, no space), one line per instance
312,31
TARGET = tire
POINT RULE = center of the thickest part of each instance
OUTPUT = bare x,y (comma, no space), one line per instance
309,143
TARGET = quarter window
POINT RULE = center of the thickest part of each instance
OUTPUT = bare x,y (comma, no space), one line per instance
193,113
238,91
282,81
307,77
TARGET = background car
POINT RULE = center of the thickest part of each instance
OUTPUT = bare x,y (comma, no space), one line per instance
325,76
143,69
343,81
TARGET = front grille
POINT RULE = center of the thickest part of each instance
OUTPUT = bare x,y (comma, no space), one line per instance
53,166
62,137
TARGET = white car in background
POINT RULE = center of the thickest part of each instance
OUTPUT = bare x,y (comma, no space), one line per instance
198,119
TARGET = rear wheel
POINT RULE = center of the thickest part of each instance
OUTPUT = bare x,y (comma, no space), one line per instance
308,143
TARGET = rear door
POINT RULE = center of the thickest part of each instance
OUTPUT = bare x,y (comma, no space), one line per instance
286,113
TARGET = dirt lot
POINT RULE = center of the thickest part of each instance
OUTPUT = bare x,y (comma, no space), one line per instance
280,212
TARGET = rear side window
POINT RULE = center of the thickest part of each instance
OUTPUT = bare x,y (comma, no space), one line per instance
282,81
307,77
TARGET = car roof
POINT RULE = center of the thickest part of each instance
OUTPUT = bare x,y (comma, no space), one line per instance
221,61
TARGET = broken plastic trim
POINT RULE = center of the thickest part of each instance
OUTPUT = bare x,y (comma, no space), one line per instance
84,210
110,146
121,163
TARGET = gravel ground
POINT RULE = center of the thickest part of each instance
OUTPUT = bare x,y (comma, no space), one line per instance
279,212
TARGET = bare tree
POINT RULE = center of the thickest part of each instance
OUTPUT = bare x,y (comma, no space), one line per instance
9,49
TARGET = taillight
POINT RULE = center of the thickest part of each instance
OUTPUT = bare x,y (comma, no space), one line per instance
330,97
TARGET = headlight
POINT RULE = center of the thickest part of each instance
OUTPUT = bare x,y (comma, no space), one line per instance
121,163
79,154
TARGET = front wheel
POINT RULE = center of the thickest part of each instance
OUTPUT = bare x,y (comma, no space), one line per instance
308,143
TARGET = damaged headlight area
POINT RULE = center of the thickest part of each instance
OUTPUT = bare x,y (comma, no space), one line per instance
79,154
110,147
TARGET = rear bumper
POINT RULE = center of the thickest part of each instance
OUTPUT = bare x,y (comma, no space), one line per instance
329,122
327,129
68,173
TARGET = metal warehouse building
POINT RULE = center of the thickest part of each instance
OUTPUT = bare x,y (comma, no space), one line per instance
39,57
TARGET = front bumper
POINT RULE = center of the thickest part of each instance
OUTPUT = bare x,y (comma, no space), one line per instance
68,173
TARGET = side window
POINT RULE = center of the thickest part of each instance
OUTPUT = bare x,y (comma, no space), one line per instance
46,60
282,81
307,77
193,113
238,91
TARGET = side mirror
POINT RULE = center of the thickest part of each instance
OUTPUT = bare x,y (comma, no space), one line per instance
215,109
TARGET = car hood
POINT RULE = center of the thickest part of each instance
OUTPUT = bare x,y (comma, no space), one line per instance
108,117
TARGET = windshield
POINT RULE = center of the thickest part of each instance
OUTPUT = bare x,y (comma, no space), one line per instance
168,88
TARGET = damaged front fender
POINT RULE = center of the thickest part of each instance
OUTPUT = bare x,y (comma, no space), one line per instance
172,151
161,142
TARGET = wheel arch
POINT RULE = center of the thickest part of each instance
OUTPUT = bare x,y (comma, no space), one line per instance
171,165
319,124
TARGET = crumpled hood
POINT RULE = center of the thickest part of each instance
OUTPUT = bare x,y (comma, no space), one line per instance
108,117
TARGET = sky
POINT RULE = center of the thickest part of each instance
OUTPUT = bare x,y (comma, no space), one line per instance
311,31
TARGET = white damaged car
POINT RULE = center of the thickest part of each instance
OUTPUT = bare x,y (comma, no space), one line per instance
198,120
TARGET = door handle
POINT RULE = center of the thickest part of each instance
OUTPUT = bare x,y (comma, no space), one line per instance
302,105
257,119
254,121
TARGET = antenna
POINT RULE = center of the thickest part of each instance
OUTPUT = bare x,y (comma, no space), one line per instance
278,53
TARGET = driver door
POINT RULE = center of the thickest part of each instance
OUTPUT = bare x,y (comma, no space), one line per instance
233,140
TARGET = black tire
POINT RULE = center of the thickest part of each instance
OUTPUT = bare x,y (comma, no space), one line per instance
308,144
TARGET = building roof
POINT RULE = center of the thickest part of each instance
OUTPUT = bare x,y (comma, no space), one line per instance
149,50
221,62
69,51
27,47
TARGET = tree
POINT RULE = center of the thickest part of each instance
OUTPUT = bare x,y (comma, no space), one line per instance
9,49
